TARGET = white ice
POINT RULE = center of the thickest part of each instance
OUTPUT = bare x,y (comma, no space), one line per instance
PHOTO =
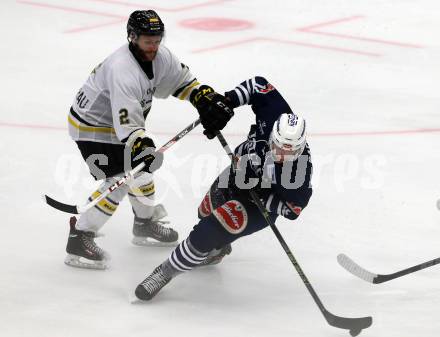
369,90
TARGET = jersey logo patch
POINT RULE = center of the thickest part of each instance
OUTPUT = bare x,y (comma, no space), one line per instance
233,216
264,89
205,207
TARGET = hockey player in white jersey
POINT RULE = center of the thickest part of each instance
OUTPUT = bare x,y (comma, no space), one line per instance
107,122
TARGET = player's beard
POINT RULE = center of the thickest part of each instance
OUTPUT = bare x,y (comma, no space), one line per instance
148,55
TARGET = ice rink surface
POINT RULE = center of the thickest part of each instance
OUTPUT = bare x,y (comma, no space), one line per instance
365,76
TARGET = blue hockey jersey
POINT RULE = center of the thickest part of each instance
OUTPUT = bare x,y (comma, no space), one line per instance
285,188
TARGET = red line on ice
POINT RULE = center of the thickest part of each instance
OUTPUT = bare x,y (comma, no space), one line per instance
82,29
312,30
176,9
69,9
332,22
303,44
315,134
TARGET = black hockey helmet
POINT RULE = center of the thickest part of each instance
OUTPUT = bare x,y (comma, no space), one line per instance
145,22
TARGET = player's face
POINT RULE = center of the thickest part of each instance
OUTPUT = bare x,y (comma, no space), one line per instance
148,46
285,153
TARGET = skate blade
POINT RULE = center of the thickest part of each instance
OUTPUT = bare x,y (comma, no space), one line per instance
149,242
81,262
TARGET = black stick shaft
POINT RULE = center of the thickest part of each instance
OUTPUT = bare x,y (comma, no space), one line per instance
355,325
277,233
380,278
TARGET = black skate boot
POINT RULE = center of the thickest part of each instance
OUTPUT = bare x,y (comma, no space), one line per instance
149,287
146,229
216,256
82,251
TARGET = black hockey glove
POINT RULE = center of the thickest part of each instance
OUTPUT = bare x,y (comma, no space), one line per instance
213,110
144,150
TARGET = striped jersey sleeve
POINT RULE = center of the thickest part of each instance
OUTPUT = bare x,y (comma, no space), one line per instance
243,93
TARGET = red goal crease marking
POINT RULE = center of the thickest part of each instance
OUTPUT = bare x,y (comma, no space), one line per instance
313,30
302,44
175,9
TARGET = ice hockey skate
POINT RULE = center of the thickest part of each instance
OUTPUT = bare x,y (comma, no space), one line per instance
152,232
216,256
149,287
82,251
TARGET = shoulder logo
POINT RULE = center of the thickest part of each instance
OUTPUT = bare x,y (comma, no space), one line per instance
264,89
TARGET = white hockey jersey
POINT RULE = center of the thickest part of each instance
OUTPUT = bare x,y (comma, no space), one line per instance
117,96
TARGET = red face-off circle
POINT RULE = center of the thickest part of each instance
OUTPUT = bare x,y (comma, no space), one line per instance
216,24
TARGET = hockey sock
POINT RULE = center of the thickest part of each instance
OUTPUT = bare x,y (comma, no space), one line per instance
185,257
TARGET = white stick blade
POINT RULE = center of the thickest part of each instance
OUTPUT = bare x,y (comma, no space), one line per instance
355,269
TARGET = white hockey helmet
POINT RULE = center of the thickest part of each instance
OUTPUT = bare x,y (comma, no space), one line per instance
288,138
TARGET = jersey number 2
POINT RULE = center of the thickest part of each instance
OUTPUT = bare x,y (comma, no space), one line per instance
123,116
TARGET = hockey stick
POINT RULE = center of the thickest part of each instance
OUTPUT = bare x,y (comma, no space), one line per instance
75,209
355,269
354,325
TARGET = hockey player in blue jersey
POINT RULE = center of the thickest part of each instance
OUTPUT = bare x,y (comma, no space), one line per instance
274,161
